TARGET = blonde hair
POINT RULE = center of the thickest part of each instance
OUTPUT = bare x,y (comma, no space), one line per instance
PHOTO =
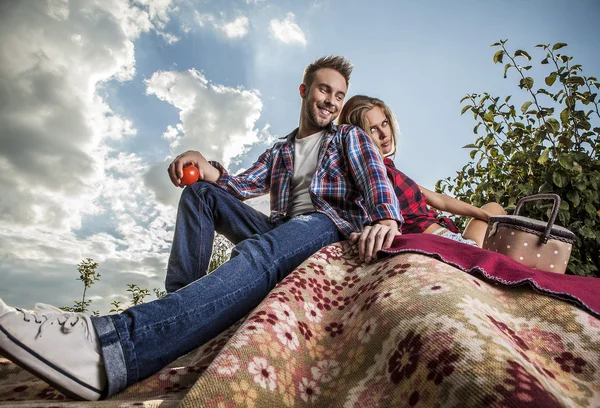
338,63
355,111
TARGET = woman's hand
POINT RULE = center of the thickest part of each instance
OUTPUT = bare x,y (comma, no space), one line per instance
374,238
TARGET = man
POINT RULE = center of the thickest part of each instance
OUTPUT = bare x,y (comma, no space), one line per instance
325,183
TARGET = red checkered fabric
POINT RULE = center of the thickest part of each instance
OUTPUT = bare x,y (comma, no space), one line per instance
413,206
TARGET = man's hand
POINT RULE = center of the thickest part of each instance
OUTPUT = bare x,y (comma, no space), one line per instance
207,171
374,238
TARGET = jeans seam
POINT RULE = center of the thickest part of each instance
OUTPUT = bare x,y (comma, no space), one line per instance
330,233
172,320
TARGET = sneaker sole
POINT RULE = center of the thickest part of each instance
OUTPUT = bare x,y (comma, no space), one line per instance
40,367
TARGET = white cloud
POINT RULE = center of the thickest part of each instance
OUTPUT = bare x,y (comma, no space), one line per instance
203,18
58,9
236,28
159,11
66,193
55,124
168,37
216,120
287,31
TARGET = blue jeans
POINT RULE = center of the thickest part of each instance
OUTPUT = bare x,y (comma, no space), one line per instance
203,209
144,338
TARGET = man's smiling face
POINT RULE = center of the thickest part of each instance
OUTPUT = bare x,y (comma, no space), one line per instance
323,100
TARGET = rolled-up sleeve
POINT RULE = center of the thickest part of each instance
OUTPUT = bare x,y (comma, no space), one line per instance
370,176
253,182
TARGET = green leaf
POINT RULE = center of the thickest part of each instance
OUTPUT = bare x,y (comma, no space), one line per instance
489,116
553,123
577,167
590,209
470,146
495,44
545,61
560,179
543,159
545,188
523,54
506,67
550,79
573,197
580,185
564,116
525,106
575,80
464,109
566,161
526,83
498,56
587,232
558,46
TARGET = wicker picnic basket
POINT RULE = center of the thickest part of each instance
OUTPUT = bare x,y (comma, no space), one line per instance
534,243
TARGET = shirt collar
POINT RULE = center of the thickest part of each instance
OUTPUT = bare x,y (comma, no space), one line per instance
329,130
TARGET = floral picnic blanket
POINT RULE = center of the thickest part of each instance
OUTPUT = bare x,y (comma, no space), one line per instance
407,330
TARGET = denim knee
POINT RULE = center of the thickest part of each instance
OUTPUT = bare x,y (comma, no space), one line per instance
199,189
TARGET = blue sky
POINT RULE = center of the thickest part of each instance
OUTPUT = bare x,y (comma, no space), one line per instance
97,97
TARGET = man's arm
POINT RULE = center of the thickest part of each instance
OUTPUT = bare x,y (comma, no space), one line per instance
370,176
253,182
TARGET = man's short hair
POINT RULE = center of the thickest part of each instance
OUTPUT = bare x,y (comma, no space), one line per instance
339,63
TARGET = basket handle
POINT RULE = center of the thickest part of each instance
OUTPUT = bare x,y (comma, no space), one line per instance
555,208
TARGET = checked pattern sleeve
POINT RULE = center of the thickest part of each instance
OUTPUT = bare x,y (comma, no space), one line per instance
254,182
370,176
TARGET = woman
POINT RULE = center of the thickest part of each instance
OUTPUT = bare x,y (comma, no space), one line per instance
377,120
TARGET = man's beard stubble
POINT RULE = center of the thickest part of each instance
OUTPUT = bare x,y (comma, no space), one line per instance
312,116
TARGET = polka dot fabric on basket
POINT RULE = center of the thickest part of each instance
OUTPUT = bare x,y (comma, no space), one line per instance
528,249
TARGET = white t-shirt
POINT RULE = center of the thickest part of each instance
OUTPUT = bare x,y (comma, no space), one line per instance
306,153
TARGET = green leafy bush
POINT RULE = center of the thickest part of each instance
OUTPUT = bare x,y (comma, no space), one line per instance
548,144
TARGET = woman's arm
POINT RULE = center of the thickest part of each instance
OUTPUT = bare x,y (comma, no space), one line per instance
451,205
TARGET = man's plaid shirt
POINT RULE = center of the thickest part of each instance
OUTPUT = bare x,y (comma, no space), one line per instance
350,184
417,215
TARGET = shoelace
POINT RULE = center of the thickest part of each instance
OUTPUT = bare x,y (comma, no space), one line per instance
46,315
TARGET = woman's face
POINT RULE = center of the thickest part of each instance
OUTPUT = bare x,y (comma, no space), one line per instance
380,130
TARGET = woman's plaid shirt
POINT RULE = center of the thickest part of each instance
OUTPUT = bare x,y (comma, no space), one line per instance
350,184
417,215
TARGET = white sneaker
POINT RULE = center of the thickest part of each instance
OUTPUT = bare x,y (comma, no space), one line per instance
59,347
